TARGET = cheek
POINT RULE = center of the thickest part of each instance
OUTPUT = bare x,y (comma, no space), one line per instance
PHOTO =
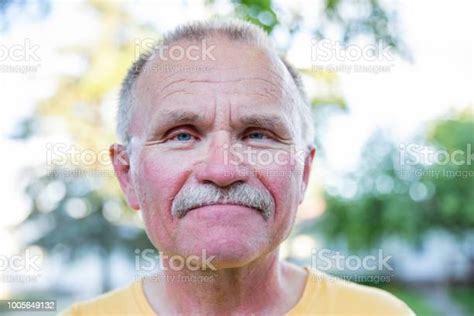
159,179
283,180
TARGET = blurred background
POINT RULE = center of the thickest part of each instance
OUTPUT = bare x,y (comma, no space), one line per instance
391,86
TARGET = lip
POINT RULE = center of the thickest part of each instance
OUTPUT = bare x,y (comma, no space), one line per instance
223,204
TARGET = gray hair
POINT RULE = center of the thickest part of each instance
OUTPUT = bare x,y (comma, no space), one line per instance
239,193
235,30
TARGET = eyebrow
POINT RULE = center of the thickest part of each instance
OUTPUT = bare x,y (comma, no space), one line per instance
266,121
180,117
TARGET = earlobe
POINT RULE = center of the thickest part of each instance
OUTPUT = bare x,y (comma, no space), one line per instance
121,163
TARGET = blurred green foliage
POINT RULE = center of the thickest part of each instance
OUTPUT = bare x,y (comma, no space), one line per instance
414,300
464,295
397,196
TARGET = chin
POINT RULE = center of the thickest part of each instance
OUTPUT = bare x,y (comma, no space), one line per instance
231,253
228,249
234,236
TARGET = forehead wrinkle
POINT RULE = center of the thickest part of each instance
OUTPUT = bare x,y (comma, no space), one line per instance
272,92
268,63
263,95
275,85
194,77
162,98
238,80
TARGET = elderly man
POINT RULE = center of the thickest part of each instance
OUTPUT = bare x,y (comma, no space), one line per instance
216,152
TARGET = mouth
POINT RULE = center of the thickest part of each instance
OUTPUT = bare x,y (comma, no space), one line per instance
224,204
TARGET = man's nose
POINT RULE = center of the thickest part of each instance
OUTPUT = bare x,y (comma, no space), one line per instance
221,166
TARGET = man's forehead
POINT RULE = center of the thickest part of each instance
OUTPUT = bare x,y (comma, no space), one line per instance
251,90
248,77
231,61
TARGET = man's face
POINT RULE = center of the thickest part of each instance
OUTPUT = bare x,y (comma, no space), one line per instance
225,125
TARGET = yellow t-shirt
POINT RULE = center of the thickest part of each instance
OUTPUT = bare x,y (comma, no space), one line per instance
323,295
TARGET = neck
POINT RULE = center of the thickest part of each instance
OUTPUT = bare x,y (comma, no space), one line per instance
265,285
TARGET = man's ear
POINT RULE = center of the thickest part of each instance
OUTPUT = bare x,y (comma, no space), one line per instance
121,162
308,162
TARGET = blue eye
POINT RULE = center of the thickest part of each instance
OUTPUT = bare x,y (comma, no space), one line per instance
256,135
183,137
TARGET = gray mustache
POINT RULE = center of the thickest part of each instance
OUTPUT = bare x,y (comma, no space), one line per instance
191,197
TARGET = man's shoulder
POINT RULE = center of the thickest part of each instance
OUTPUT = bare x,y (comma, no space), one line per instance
326,294
127,300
